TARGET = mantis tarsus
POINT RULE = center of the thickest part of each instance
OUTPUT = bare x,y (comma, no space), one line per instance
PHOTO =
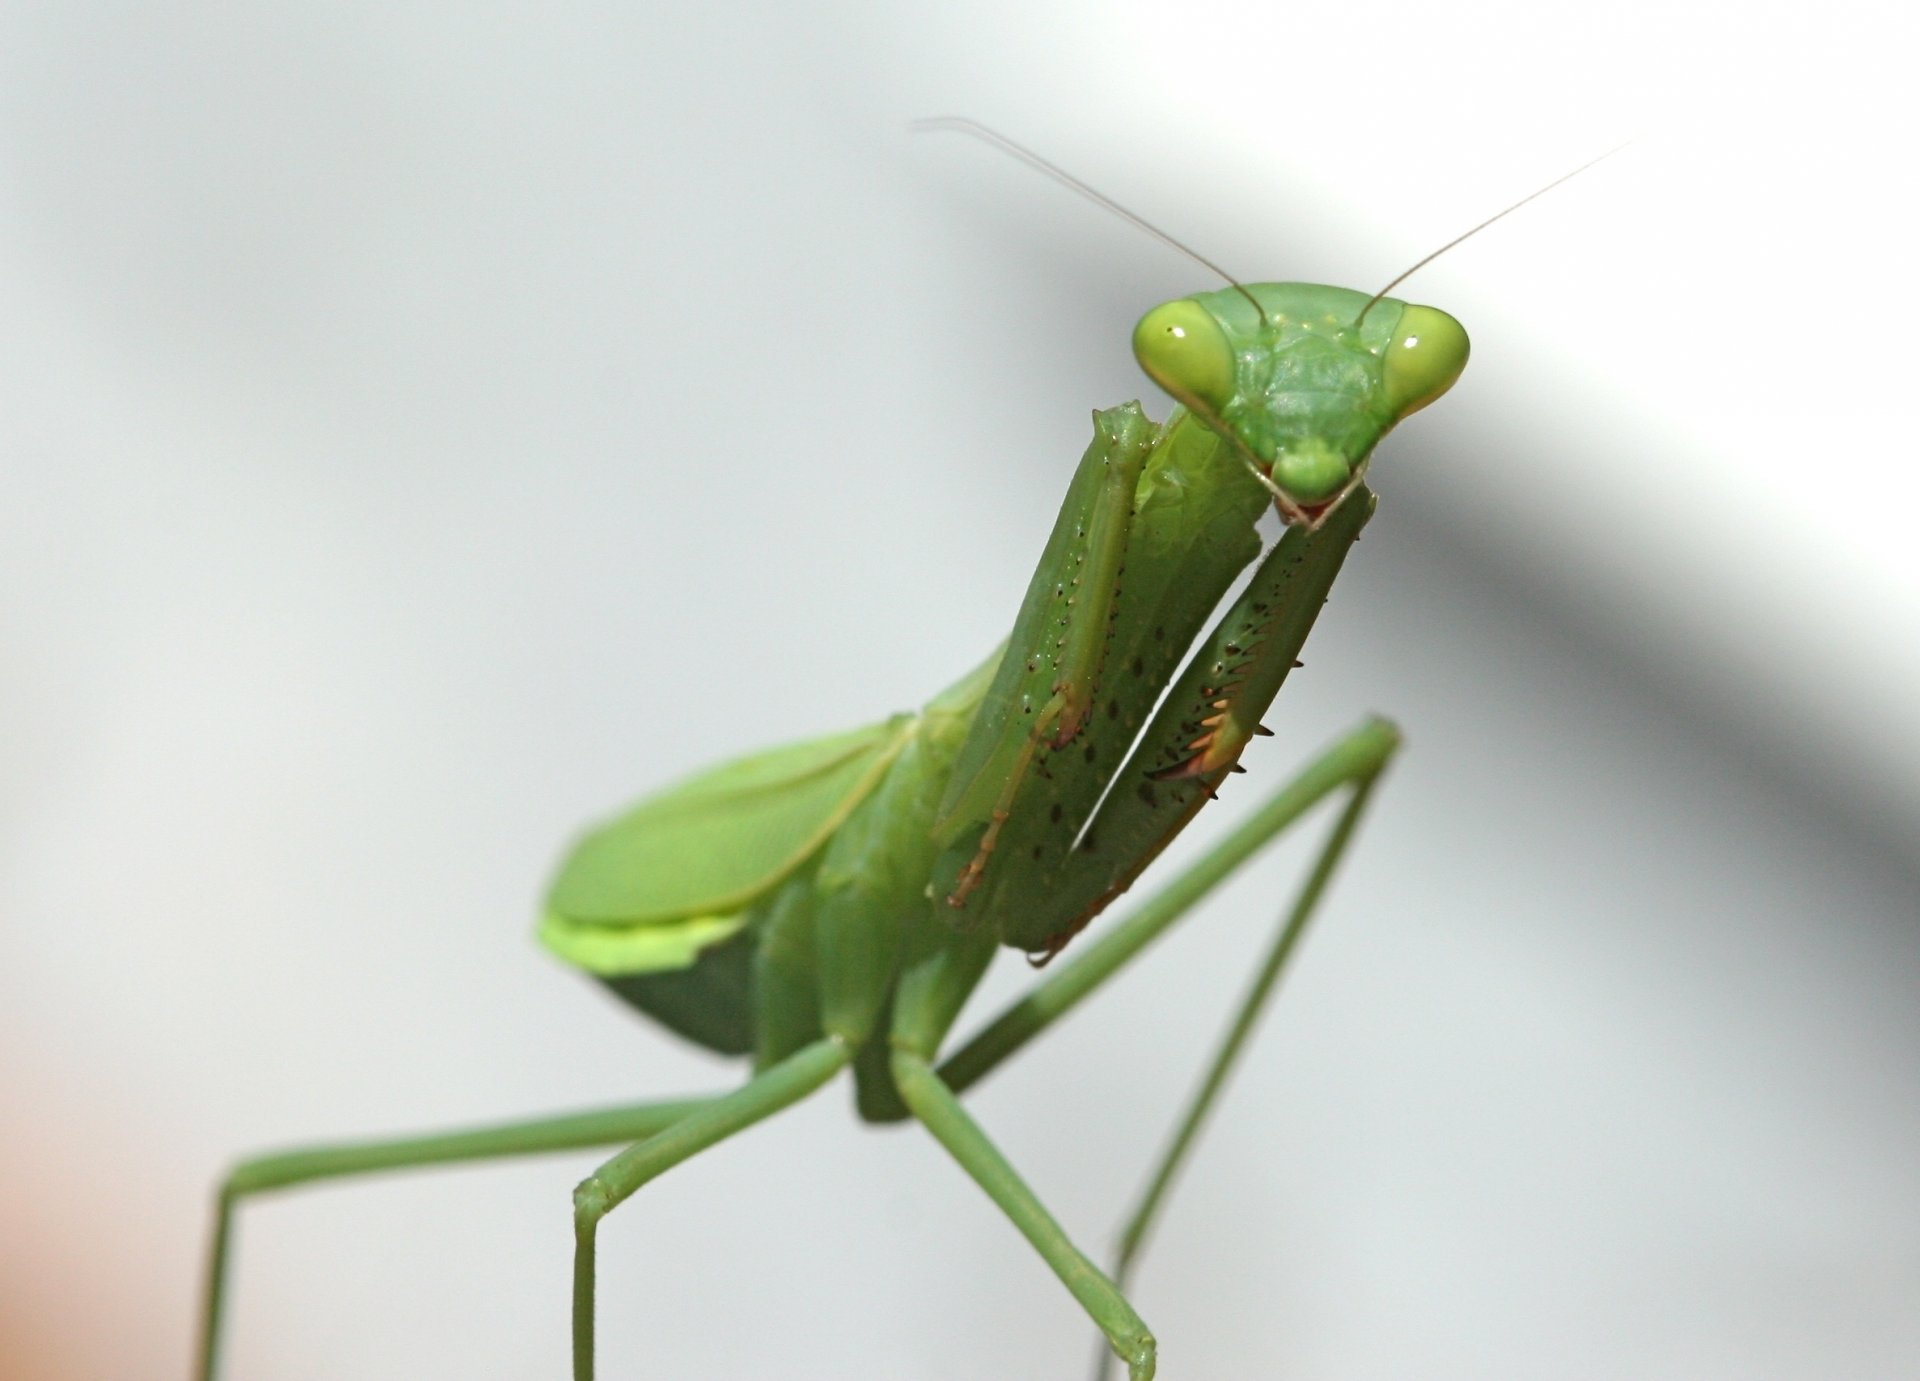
830,905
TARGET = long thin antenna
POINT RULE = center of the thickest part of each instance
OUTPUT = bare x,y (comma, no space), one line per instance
1458,239
960,124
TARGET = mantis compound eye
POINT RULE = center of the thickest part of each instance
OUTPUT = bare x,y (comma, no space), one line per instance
1183,350
1428,352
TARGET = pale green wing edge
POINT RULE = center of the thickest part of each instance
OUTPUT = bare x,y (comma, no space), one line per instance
614,950
676,874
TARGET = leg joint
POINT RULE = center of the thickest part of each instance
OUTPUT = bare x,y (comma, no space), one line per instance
591,1203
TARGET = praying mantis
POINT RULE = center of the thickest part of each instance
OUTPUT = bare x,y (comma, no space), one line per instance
827,907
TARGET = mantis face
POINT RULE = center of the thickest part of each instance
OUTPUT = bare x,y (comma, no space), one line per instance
1283,373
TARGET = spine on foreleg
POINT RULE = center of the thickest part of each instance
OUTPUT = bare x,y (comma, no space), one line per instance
1206,720
1053,660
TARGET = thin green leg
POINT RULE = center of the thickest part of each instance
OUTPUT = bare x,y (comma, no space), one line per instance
930,1100
1232,1043
774,1088
284,1169
1353,763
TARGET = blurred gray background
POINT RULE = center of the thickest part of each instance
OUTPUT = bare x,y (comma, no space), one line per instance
424,428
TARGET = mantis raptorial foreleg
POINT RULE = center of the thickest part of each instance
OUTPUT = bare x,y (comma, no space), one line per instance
1355,764
1351,762
1068,622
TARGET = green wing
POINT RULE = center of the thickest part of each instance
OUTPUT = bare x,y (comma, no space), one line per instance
675,875
710,1003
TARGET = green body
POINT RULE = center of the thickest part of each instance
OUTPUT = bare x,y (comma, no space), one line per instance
832,904
832,887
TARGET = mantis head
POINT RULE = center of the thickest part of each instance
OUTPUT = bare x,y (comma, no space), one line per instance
1302,380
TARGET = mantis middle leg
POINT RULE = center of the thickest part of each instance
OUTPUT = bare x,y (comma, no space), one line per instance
285,1169
768,1092
1354,764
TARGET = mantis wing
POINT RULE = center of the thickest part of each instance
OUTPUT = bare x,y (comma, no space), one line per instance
676,874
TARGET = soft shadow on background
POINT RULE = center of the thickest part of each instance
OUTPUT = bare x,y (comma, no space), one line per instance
423,431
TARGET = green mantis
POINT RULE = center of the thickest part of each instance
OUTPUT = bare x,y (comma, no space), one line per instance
828,907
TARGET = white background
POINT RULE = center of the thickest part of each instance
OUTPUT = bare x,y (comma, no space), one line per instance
424,428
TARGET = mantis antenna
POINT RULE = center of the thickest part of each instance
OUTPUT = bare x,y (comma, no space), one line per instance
960,124
1468,235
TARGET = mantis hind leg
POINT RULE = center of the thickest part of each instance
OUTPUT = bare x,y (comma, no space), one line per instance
285,1169
768,1092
